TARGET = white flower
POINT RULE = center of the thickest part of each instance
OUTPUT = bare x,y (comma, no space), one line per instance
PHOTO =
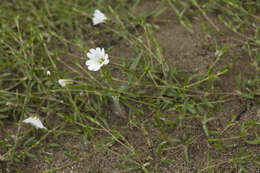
115,98
82,94
217,53
48,73
36,122
64,82
97,58
8,103
98,17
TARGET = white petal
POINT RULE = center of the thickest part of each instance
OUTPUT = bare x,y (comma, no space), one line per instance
217,52
106,56
36,122
90,62
93,51
48,73
62,82
98,17
106,61
103,52
91,55
98,50
8,103
94,67
97,21
97,12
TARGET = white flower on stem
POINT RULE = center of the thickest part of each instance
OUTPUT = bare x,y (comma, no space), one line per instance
48,73
35,121
64,82
97,58
98,17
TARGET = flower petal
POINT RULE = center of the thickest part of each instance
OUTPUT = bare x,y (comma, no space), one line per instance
93,51
36,122
98,17
98,50
106,61
90,62
94,67
91,55
103,52
62,82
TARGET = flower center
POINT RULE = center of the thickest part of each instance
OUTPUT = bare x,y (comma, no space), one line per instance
101,60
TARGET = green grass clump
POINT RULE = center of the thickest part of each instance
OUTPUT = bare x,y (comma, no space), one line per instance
174,108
